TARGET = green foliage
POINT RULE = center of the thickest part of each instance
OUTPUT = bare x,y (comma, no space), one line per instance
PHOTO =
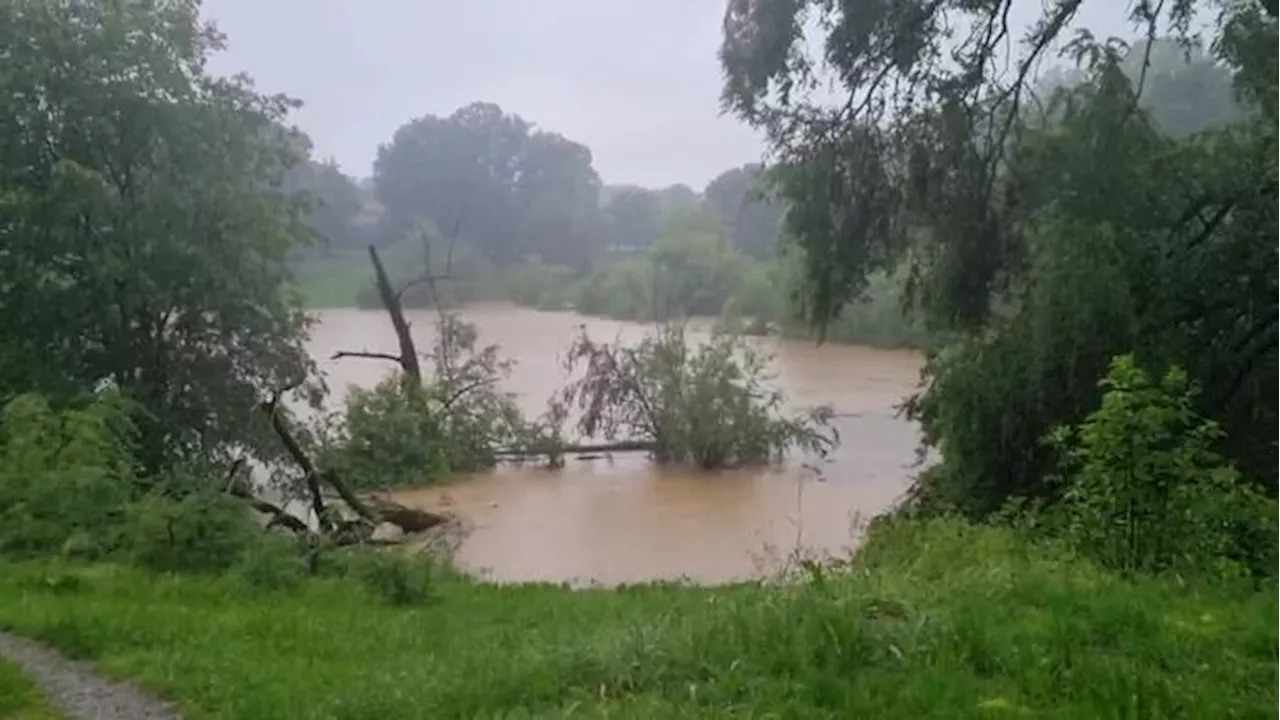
387,436
539,285
197,533
1039,239
272,565
1145,490
706,406
146,236
397,434
69,485
513,190
64,476
396,578
934,619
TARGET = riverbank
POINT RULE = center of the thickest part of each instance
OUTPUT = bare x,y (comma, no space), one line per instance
621,291
932,620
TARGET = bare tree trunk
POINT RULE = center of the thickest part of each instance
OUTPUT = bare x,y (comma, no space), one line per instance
391,300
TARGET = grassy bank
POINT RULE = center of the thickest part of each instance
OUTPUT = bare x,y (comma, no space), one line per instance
20,699
932,620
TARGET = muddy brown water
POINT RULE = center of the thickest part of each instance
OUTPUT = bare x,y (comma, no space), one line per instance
624,520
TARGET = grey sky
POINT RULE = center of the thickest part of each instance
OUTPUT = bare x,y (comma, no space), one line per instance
637,82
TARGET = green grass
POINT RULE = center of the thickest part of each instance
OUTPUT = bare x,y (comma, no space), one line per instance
20,699
932,620
333,281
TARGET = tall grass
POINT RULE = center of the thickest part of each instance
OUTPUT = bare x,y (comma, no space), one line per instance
936,619
20,699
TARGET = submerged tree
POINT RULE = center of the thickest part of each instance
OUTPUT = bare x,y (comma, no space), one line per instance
1051,232
706,405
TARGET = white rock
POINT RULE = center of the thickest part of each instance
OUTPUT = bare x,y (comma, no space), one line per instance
387,532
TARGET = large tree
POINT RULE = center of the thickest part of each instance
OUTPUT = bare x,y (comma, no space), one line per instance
143,236
1047,233
514,191
740,198
334,201
633,218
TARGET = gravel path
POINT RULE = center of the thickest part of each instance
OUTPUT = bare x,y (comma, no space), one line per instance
80,693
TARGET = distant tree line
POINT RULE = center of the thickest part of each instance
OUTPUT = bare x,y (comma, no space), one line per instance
517,193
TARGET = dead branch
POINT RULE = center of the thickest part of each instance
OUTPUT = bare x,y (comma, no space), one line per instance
299,456
276,513
408,358
362,354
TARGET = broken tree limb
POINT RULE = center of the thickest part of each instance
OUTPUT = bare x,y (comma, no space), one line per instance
391,301
276,514
367,355
299,456
409,519
374,510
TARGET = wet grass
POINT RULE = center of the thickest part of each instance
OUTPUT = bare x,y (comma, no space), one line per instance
20,699
936,620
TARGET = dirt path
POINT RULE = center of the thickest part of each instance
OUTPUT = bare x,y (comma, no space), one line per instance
77,690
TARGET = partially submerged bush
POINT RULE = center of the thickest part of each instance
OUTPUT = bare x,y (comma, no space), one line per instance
399,434
388,436
706,406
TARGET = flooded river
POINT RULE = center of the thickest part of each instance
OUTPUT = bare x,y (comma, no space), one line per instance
627,521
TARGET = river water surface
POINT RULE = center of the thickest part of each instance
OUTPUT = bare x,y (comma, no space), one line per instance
623,520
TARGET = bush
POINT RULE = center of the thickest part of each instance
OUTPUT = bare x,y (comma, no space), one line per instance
707,405
198,533
273,564
1145,490
395,577
389,436
64,476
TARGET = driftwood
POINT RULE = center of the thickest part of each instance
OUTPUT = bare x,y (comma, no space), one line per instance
622,446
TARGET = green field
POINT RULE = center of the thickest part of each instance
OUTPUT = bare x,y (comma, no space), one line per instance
937,619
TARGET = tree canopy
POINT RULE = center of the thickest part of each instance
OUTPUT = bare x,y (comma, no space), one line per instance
513,190
144,230
1127,207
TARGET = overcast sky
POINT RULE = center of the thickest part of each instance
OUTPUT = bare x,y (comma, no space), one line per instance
637,81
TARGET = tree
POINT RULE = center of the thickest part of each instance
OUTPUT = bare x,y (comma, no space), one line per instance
738,197
514,191
334,201
144,233
634,218
1048,234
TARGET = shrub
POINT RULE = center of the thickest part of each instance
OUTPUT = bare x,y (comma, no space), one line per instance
1145,490
200,532
389,436
273,564
64,475
395,577
706,406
